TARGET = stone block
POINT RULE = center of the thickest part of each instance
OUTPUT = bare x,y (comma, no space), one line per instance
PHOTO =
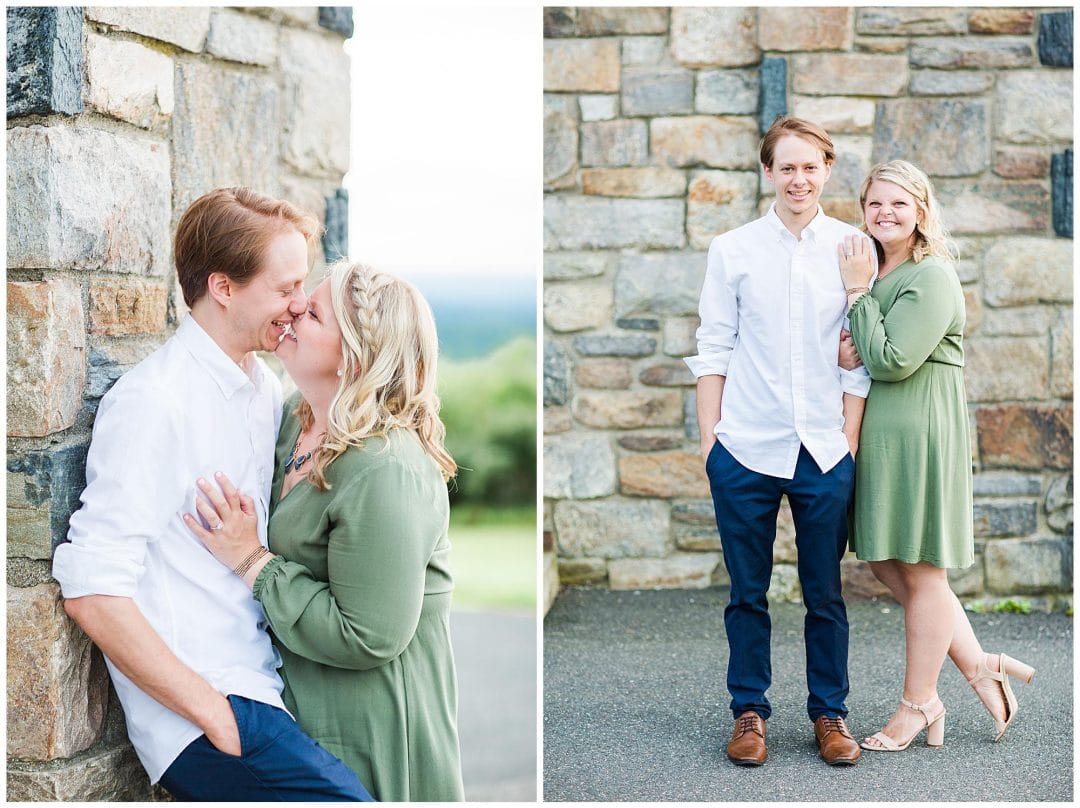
911,21
697,139
1021,270
659,283
784,584
808,29
242,38
185,27
853,162
556,374
714,37
657,91
612,528
836,114
1025,436
859,581
846,210
338,19
600,21
680,336
108,362
578,466
128,81
570,266
690,421
559,21
973,312
950,82
314,104
87,199
598,107
677,571
627,409
849,74
335,238
572,223
971,581
1061,355
299,16
950,135
1006,368
614,143
698,512
113,774
663,474
46,351
43,488
718,201
1056,38
645,51
556,420
560,150
57,682
604,373
637,442
582,65
1027,566
990,206
696,538
645,183
582,571
631,345
212,104
1059,505
773,98
127,306
1034,106
996,519
727,92
951,53
1019,163
1061,185
577,305
667,374
1002,21
44,61
638,323
989,484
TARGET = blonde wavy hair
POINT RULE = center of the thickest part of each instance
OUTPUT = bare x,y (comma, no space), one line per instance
931,236
389,352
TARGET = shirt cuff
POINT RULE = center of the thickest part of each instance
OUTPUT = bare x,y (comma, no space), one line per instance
81,572
714,364
856,382
263,578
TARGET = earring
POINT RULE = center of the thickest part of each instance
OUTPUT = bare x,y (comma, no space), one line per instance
339,373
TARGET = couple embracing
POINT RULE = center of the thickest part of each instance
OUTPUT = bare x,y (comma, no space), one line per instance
224,536
871,421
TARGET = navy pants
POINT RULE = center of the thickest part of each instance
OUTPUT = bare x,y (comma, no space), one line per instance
278,762
747,504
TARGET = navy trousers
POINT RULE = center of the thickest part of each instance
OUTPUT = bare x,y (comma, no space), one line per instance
278,762
747,504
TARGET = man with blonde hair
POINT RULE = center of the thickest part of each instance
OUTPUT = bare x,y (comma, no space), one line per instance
772,308
185,644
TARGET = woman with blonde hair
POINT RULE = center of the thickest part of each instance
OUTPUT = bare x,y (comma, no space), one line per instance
913,500
356,589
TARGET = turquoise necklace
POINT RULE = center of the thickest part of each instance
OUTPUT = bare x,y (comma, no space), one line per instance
294,462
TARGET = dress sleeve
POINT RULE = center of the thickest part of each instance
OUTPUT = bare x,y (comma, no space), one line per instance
895,345
719,311
383,530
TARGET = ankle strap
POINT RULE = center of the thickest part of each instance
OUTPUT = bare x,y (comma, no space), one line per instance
922,708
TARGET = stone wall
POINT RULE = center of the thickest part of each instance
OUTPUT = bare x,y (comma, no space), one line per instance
117,119
652,118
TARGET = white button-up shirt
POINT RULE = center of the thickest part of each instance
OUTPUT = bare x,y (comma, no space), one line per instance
771,311
186,411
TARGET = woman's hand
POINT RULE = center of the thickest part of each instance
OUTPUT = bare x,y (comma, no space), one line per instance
848,356
856,264
234,527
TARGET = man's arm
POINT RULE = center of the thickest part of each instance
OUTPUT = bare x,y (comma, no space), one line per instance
123,634
853,413
710,393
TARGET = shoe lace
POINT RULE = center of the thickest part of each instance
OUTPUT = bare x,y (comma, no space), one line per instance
833,724
747,723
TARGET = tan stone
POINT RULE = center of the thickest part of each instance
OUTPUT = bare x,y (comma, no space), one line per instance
806,29
717,142
556,419
1061,356
46,352
582,571
1025,437
1017,321
127,306
602,21
917,21
1022,270
1006,368
575,306
628,410
667,374
784,545
974,309
882,44
612,528
242,38
721,37
718,201
846,210
605,373
582,65
680,336
663,474
1001,21
677,571
859,581
836,114
128,81
614,143
57,681
849,74
186,27
1020,163
854,157
552,583
639,182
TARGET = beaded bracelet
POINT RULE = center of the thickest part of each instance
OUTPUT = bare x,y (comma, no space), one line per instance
858,290
242,568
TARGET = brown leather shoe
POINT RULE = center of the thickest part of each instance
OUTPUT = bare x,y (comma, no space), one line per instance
837,746
747,747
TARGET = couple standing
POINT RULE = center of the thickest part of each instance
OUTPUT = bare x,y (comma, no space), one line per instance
351,604
781,413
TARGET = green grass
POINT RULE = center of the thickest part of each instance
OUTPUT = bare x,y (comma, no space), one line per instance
493,560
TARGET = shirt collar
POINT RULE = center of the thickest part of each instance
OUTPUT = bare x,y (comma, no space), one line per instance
812,228
226,374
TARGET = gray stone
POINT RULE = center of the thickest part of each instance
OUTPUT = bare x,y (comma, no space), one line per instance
651,91
615,345
574,223
718,201
598,108
559,21
110,361
990,206
972,52
696,537
1059,505
556,374
575,306
644,51
128,81
568,266
854,156
659,283
727,92
560,150
114,774
26,572
677,571
1022,270
1056,38
614,143
699,513
43,489
315,104
335,240
627,409
1006,368
582,65
1005,519
601,21
784,584
704,140
44,61
1015,321
566,104
612,529
680,336
582,571
1006,485
773,99
87,199
578,466
637,442
690,421
242,38
1034,106
186,27
638,323
667,374
1028,566
971,581
911,21
720,37
1061,189
337,18
950,136
950,82
837,114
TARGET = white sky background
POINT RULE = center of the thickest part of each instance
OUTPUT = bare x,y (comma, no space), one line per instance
446,128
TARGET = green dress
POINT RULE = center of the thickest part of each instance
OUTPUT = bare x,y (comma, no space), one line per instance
358,603
913,474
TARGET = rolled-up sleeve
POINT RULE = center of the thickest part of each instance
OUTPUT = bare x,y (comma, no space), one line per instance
133,488
719,318
856,382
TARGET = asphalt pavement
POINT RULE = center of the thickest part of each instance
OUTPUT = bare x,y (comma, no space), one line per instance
636,708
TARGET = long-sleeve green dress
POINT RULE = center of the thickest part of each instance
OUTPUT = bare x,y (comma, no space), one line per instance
358,603
913,472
